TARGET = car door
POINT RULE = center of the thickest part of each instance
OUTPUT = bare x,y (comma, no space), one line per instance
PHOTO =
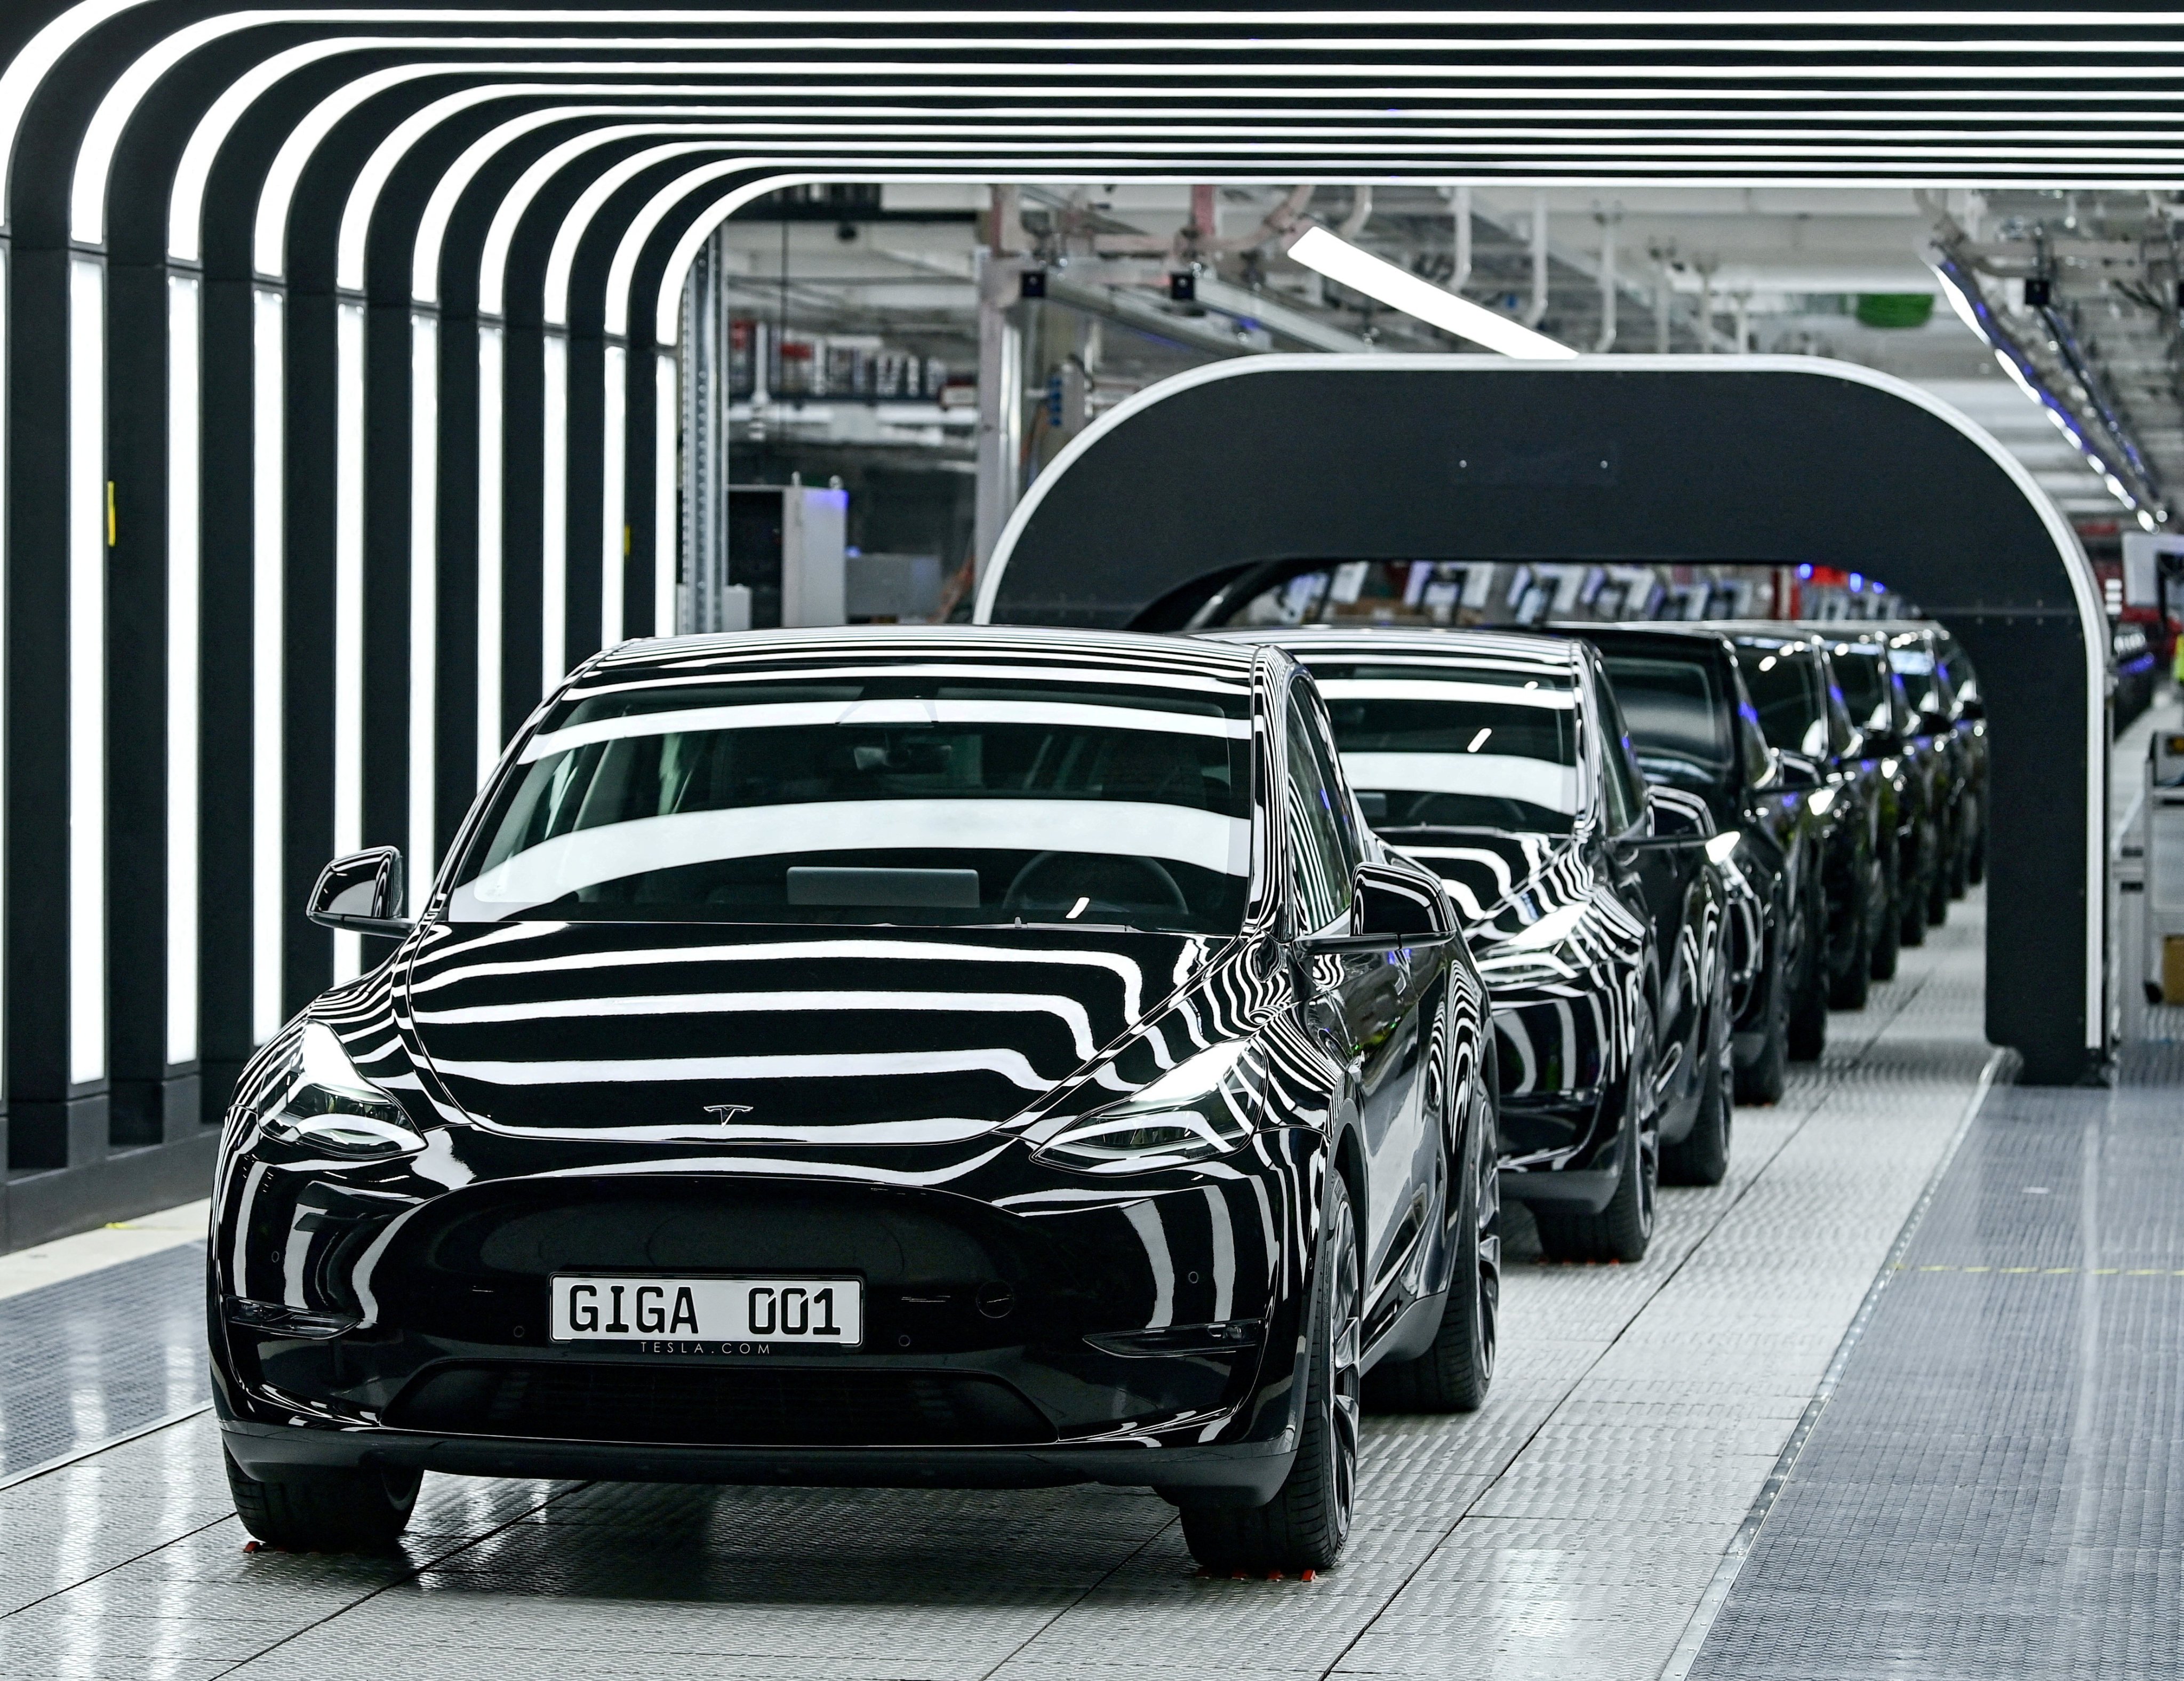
1656,880
1367,1005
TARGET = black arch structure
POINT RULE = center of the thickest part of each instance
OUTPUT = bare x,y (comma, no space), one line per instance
104,1104
1777,459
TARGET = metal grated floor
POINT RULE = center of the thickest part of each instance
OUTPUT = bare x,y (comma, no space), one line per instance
1568,1531
1997,1486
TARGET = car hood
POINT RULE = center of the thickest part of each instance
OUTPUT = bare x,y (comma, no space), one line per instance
1483,868
733,1033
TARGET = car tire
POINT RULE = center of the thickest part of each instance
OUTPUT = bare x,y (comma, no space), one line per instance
1976,862
1624,1230
1701,1156
1807,1035
1938,881
1960,855
1913,898
1848,988
364,1511
1454,1375
1761,1079
1305,1525
1888,943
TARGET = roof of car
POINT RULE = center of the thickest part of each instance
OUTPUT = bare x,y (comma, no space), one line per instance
1091,650
1305,640
1662,633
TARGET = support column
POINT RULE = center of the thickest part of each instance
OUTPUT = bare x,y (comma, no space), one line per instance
1001,399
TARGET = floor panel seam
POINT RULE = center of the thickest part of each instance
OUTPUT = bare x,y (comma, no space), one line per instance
1732,1562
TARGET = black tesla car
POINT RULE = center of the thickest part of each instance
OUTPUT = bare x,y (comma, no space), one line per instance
1695,730
938,1058
1803,717
1968,721
1913,753
1597,917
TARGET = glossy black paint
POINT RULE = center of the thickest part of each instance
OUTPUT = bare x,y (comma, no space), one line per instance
1779,855
1852,803
1918,755
1027,1322
1620,1007
1968,716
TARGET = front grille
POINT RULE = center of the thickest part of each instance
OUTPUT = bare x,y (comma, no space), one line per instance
719,1407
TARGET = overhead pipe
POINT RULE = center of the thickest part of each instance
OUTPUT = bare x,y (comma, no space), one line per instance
1538,310
1360,212
1609,221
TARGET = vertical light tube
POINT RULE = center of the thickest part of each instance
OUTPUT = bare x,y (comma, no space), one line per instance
3,661
184,398
613,498
268,556
667,524
349,606
554,542
488,551
423,595
88,535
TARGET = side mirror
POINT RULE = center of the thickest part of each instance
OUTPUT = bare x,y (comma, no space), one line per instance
361,894
1392,909
1681,817
1797,772
1679,820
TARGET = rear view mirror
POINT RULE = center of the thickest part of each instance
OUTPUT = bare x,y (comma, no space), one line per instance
361,894
1393,908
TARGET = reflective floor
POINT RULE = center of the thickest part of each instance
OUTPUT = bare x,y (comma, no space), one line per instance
1570,1530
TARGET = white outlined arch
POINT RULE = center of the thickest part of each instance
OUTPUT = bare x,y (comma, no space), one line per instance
2092,619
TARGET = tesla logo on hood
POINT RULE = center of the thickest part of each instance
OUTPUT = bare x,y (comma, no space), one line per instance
725,1112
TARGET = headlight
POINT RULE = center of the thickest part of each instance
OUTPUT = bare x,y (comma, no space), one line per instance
1198,1109
331,1106
1723,847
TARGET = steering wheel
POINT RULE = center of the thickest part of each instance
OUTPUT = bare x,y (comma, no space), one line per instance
1054,881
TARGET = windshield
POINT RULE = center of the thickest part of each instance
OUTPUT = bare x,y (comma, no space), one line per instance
1784,686
1435,744
1865,686
1924,686
1677,717
932,797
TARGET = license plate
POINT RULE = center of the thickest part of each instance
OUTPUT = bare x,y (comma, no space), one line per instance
733,1311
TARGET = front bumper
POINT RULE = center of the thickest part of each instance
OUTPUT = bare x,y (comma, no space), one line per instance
358,1319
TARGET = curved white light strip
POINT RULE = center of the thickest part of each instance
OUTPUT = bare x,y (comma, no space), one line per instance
562,259
371,181
29,68
296,151
492,262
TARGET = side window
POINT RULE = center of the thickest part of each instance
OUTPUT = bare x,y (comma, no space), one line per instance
1623,789
1751,740
1317,866
1326,760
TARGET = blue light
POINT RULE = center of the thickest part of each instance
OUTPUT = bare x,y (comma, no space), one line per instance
1857,583
1805,570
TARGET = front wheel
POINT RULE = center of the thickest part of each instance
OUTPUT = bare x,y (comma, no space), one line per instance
1847,988
1888,939
1305,1525
1761,1079
1913,897
1623,1230
1454,1375
325,1511
1700,1156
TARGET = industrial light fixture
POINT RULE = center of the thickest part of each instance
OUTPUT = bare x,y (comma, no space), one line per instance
1399,289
